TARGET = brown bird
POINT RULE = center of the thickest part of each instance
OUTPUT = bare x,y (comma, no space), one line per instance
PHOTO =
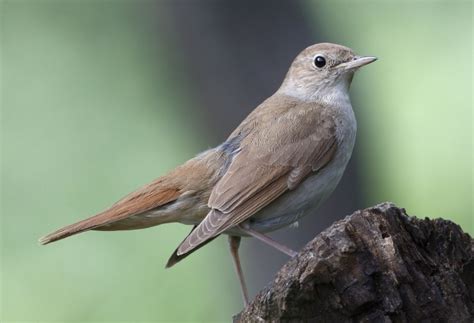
280,163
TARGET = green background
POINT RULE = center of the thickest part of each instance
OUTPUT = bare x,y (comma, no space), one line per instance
93,106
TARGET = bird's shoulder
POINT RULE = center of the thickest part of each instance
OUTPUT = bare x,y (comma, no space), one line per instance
284,122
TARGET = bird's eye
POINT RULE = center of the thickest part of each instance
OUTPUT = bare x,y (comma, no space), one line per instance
319,61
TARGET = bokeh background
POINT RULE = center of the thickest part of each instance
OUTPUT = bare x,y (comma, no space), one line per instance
100,97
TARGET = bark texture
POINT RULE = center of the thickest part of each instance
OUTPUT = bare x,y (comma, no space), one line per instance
376,265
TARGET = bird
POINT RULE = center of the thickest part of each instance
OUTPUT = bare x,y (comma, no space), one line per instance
283,160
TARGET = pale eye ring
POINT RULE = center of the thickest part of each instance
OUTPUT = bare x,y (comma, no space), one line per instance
319,61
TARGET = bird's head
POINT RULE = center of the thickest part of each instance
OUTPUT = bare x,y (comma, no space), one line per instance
321,71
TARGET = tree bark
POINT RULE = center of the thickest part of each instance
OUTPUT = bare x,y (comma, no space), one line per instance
376,265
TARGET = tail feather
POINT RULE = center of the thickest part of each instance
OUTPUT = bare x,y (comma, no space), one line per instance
72,229
144,199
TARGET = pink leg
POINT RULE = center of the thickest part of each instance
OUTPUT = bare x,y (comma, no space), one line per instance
234,243
269,241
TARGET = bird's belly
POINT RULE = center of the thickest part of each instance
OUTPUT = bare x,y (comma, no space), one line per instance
291,206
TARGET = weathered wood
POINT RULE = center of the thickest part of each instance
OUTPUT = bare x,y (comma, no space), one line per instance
376,265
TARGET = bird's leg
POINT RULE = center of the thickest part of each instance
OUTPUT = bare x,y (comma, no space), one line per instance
268,240
234,243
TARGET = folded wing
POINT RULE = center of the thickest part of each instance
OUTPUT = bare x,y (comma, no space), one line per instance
267,165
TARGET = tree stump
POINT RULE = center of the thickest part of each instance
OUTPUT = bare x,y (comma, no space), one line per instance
376,265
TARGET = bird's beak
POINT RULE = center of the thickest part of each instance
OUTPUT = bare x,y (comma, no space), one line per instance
357,61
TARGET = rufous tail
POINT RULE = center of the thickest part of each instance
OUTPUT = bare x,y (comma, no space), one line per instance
72,229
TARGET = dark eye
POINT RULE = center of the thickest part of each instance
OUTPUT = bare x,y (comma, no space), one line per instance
319,61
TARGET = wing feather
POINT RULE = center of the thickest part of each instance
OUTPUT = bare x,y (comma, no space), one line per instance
217,222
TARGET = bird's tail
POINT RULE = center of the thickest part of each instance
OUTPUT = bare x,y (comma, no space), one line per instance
81,226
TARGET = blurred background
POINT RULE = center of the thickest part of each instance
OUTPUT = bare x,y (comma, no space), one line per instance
101,97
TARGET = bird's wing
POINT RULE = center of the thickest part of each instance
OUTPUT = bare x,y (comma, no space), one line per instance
274,158
175,258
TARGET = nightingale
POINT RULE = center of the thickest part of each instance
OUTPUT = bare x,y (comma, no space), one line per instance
279,164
